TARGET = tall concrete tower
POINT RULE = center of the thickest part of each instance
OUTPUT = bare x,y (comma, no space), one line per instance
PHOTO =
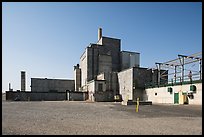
77,77
10,89
23,81
9,86
99,33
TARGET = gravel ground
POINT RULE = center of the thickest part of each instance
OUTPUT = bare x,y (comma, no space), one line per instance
99,118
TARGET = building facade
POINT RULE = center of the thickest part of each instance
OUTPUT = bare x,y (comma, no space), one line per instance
51,85
101,67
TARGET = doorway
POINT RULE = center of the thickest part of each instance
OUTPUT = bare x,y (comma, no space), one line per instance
176,98
185,99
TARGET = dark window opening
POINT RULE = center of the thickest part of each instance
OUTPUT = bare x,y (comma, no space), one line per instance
100,87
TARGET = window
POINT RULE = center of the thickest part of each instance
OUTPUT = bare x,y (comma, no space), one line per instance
100,87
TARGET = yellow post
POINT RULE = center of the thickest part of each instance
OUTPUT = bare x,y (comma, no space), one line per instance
137,105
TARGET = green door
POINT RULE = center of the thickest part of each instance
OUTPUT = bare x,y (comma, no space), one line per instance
176,98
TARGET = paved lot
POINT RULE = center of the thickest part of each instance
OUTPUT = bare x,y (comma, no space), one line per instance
99,118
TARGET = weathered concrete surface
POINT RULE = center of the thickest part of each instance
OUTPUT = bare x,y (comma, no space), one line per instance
163,96
36,96
99,118
50,85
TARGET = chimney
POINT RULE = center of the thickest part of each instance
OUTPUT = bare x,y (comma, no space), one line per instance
99,33
9,86
23,80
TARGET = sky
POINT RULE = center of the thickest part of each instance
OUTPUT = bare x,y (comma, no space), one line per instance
46,39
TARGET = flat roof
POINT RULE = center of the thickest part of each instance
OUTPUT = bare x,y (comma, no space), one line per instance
110,38
130,52
53,79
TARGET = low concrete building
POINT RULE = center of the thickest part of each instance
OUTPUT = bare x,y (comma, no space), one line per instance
35,96
179,94
51,85
46,96
132,82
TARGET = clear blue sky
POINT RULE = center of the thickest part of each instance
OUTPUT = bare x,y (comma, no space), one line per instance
47,39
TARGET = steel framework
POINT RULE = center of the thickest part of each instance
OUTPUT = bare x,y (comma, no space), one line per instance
179,69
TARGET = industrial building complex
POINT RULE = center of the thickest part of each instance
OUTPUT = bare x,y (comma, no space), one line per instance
107,73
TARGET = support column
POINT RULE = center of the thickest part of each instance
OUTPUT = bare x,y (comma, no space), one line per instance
182,73
175,75
200,71
159,75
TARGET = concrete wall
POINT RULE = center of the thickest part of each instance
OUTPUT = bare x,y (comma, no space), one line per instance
129,59
138,93
113,46
141,76
132,82
77,96
132,79
51,85
92,70
101,57
105,63
111,81
46,96
125,79
89,62
84,67
103,96
102,82
94,85
93,89
161,95
35,96
114,83
95,95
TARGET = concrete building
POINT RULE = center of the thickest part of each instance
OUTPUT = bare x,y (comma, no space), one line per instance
179,94
51,85
43,89
100,65
48,90
105,72
132,82
99,58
